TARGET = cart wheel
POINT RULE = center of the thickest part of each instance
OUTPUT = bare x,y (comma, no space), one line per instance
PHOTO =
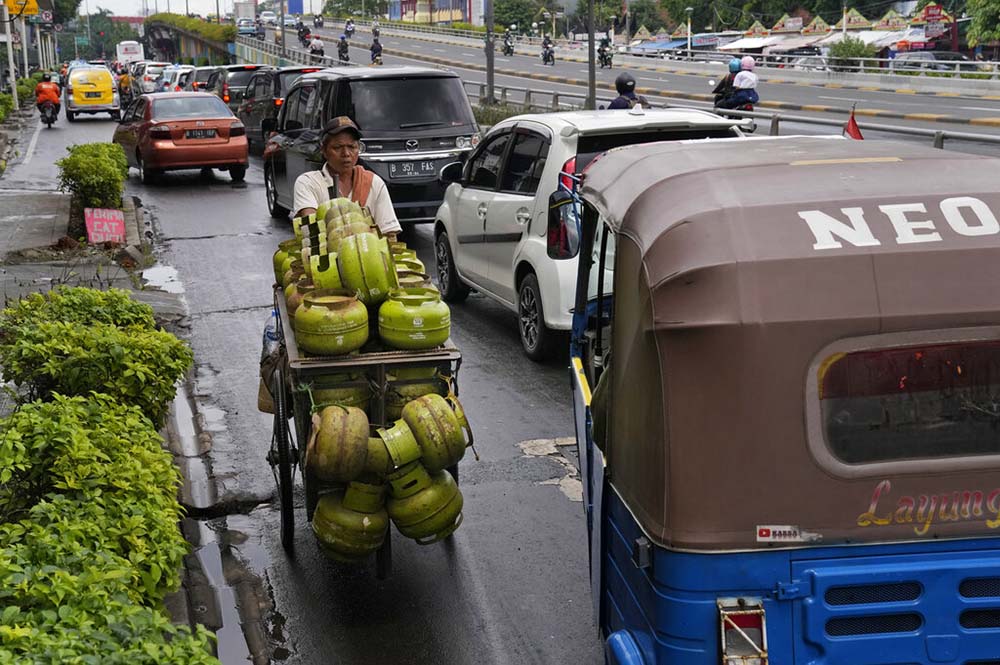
383,558
281,456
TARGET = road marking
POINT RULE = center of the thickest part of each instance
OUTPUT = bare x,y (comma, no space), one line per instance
646,78
979,108
440,50
469,55
988,122
842,99
923,116
31,146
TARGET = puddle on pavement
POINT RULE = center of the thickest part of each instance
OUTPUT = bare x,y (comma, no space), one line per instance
199,490
231,643
569,484
164,278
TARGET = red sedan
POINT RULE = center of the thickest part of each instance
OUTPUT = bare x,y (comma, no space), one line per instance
171,131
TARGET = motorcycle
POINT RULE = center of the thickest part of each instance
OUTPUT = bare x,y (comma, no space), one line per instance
604,58
548,56
318,22
377,60
304,39
349,31
508,48
343,56
48,113
375,33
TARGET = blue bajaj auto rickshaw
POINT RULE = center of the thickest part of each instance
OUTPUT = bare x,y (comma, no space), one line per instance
786,372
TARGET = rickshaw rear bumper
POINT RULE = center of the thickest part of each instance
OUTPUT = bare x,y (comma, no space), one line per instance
621,649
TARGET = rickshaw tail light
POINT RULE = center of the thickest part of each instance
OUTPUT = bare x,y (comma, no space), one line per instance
568,168
743,631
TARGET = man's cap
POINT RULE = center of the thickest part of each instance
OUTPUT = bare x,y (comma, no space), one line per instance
340,124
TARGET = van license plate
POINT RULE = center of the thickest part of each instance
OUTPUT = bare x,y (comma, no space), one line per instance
200,134
412,169
92,95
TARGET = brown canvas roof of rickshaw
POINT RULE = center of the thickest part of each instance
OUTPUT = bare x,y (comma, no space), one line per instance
723,302
805,169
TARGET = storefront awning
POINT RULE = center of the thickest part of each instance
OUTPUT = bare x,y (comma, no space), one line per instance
749,43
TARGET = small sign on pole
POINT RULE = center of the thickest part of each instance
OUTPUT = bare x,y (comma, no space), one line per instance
104,225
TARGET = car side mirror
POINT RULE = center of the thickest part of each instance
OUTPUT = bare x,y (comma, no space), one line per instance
451,173
267,125
562,237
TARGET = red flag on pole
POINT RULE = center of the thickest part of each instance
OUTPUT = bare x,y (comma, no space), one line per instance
851,128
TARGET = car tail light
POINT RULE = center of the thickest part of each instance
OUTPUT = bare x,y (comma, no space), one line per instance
225,92
194,86
237,129
279,101
566,176
744,631
159,132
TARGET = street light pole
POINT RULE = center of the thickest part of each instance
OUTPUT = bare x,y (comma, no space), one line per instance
591,102
488,19
9,30
689,10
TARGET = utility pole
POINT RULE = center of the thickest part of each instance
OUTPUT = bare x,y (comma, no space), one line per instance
38,45
591,102
843,22
24,42
488,18
9,31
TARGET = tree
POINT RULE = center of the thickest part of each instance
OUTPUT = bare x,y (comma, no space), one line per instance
647,13
985,26
104,35
843,52
519,12
344,8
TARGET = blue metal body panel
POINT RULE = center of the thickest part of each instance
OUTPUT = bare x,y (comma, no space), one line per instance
668,611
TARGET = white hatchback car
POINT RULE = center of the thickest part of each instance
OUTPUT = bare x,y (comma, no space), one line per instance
490,230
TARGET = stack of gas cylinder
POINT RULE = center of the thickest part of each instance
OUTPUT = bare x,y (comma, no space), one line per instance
346,286
400,474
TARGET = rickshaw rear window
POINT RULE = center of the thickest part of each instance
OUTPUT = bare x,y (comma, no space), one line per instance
915,402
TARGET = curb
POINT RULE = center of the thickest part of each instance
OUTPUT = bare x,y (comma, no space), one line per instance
778,106
764,79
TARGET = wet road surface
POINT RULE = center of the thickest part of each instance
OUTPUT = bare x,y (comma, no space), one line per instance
512,585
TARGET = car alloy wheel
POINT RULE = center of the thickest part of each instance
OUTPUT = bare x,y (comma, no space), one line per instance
451,287
537,339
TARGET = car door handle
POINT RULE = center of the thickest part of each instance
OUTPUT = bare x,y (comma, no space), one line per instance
481,210
523,216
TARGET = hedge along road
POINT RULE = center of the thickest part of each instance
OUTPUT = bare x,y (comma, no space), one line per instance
513,585
914,110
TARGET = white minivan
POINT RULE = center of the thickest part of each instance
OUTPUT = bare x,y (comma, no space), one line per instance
490,230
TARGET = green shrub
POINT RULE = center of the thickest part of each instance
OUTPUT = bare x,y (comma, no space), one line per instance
26,94
6,105
37,77
77,304
28,81
204,62
89,543
217,32
843,54
133,365
487,116
95,174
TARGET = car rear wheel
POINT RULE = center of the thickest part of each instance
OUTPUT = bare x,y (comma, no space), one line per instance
276,209
146,175
238,173
538,340
452,288
70,115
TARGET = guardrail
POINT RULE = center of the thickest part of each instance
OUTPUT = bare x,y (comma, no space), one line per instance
530,100
547,101
968,69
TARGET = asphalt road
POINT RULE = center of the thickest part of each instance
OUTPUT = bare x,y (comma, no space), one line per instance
512,586
467,59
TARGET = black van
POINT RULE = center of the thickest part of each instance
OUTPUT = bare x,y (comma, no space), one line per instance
415,120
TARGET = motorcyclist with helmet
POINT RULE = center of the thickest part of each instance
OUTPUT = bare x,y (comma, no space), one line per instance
349,28
46,91
725,87
508,42
548,51
744,87
343,49
316,48
604,52
625,85
376,51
